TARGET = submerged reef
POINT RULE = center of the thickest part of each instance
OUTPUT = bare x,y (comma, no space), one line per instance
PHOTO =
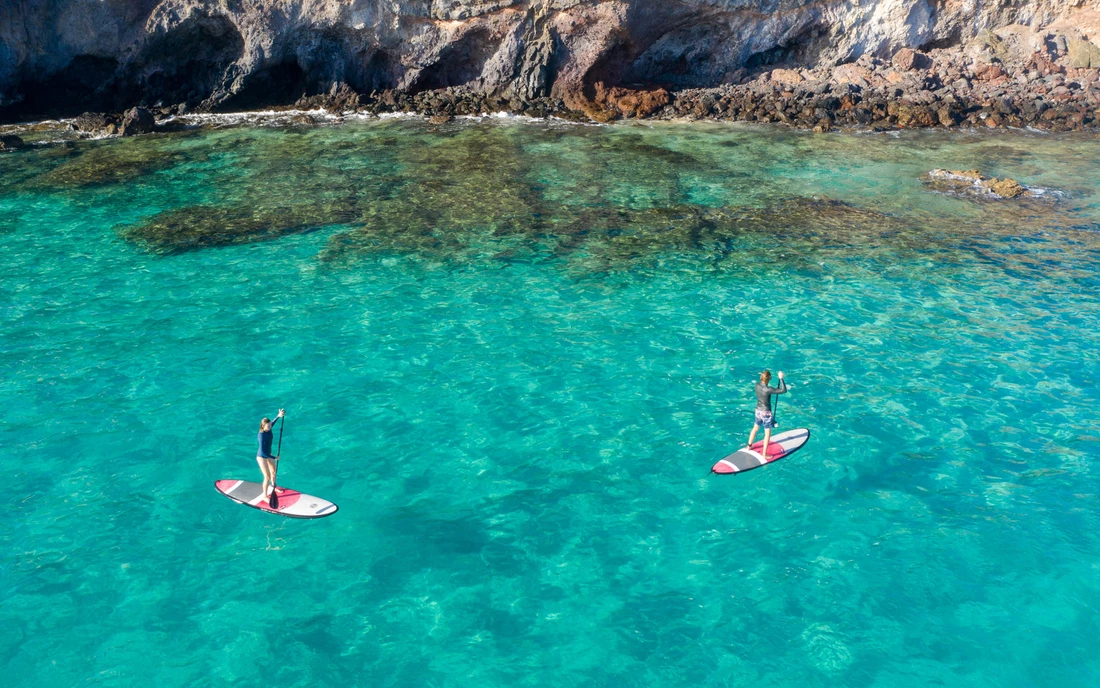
599,199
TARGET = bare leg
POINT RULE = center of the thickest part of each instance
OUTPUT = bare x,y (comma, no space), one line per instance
752,435
265,468
273,466
767,439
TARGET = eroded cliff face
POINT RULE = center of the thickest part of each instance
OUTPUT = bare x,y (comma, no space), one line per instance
67,56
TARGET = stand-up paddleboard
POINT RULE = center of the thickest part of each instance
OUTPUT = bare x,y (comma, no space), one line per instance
291,502
782,444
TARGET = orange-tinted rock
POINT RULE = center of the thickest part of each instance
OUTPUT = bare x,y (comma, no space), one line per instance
907,59
851,74
787,76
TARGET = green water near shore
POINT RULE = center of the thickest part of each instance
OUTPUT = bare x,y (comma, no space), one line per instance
510,351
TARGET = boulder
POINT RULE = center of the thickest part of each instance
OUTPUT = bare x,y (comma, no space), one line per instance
10,142
1083,54
439,119
93,122
786,76
852,74
633,103
914,116
137,121
1005,188
907,59
990,43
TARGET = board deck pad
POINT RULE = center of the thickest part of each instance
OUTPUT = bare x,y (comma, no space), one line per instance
747,458
292,503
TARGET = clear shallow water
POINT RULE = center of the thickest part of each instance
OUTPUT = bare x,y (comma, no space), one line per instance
512,363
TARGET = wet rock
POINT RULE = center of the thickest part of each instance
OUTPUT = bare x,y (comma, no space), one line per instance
439,119
136,121
340,98
974,183
10,142
94,122
912,116
1006,188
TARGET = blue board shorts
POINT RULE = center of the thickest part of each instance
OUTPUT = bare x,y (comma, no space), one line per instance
764,419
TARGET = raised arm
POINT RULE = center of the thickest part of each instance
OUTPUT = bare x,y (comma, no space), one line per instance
781,388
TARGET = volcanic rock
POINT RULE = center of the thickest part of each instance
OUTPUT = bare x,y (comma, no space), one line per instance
136,121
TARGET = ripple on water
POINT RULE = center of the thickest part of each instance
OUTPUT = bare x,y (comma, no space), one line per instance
510,353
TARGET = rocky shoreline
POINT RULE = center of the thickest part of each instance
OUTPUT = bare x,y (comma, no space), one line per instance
1013,77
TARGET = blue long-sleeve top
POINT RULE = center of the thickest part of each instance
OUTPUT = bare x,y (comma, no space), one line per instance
264,439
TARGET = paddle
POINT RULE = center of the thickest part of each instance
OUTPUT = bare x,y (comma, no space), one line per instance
273,501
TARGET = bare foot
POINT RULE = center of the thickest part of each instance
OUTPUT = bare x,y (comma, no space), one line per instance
280,490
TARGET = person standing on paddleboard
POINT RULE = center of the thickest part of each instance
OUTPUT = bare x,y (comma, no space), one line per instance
763,417
264,457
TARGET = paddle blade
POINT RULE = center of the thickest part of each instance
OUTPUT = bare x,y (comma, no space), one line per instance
273,500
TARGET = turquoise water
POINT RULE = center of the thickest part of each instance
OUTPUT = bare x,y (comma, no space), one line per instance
511,361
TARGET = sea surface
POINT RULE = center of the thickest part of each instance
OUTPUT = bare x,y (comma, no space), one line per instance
510,351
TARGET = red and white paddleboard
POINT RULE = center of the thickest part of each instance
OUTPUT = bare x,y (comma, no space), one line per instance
782,444
292,503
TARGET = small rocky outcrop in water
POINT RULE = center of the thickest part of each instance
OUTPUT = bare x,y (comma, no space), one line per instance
10,142
96,124
136,121
973,182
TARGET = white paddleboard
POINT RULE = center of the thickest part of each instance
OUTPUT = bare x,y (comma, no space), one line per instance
292,503
782,445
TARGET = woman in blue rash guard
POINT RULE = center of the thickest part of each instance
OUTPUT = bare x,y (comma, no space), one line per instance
264,456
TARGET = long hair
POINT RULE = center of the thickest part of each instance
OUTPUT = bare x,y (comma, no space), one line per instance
265,421
766,377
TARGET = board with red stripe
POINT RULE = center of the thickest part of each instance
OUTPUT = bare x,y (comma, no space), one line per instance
782,445
292,503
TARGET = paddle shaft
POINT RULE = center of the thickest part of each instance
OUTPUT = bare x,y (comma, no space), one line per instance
278,452
273,500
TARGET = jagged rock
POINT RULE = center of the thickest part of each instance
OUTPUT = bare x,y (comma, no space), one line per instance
1006,188
93,122
635,103
439,119
852,74
912,116
339,98
907,59
605,58
973,182
136,121
10,142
